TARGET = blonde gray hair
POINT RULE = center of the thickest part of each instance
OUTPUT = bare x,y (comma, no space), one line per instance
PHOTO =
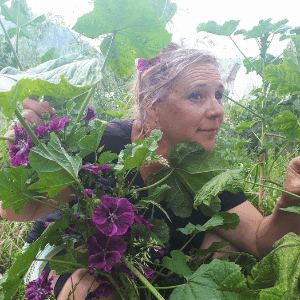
154,83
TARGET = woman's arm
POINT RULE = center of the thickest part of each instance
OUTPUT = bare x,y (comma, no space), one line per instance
34,210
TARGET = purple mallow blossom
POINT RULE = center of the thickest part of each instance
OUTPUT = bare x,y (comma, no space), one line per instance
20,150
89,114
58,124
88,192
39,288
104,251
105,287
40,129
140,219
95,169
113,216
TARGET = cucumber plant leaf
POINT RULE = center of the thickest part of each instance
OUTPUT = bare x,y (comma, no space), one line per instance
135,29
223,220
258,64
277,275
216,280
49,55
212,27
13,188
244,125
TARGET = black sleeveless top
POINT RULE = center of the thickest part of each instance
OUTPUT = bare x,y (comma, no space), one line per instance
116,135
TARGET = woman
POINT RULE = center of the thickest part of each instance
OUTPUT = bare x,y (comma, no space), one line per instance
181,95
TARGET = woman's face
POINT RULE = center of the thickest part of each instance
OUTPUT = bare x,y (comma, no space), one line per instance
193,110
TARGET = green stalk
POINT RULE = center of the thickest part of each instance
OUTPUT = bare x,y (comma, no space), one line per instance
27,128
273,188
247,108
11,46
247,58
4,138
155,184
80,266
142,278
18,25
277,135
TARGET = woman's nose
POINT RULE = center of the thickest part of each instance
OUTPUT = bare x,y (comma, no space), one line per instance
214,108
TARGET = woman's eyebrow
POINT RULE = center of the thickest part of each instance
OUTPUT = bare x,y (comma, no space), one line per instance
221,86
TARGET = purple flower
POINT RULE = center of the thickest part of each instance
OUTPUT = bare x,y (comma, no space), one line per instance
40,129
158,251
140,219
20,150
90,222
105,251
105,287
75,199
113,216
89,114
104,184
148,273
77,216
58,124
144,64
70,231
95,169
88,192
39,288
47,224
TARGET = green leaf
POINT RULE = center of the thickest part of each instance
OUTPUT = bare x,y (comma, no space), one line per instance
293,209
19,269
240,144
244,125
161,229
287,75
230,180
212,27
52,182
50,54
287,123
138,33
53,157
90,143
72,256
107,157
258,64
177,263
223,220
13,192
278,273
217,280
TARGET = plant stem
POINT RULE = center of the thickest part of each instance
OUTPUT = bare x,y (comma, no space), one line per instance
274,182
11,46
273,188
4,138
188,241
155,184
247,108
18,25
80,266
277,135
142,278
73,290
27,128
161,287
247,58
130,184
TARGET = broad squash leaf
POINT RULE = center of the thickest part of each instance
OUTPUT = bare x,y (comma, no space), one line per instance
244,125
177,263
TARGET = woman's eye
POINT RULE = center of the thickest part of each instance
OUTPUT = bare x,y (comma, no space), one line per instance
218,95
196,96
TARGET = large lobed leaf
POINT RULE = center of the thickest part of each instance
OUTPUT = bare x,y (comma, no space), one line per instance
286,77
287,123
193,167
230,180
278,274
212,27
13,191
217,280
139,28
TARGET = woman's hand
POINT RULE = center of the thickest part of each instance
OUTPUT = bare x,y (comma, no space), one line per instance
292,182
32,111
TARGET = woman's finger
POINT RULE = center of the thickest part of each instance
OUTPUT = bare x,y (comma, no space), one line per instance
47,106
34,106
10,133
31,117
